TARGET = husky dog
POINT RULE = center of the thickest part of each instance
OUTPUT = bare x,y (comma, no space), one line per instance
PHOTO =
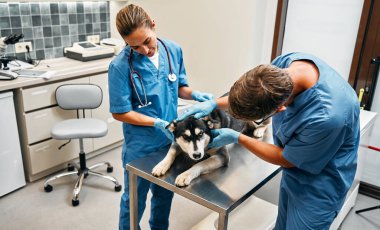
192,137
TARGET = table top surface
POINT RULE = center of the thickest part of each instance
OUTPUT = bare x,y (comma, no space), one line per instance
221,190
64,68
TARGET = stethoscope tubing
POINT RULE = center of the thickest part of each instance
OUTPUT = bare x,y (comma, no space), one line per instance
133,71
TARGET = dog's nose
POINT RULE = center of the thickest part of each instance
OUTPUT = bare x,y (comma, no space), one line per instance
197,155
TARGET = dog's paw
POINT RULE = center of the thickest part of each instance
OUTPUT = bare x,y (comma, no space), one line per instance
259,132
184,179
160,169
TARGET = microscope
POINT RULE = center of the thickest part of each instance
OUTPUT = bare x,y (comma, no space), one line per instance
5,73
4,41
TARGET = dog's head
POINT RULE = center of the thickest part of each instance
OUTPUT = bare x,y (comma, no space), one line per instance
193,136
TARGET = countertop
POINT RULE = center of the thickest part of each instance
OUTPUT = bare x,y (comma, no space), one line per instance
65,69
366,120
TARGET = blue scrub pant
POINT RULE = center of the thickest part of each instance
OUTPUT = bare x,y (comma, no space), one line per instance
291,217
160,204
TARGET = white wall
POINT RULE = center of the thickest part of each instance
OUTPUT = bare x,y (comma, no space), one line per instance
220,39
325,28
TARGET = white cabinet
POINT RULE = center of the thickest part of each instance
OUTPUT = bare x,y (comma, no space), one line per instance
11,168
115,132
38,113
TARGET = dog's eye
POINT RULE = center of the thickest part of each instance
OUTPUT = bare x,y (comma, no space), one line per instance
200,134
186,138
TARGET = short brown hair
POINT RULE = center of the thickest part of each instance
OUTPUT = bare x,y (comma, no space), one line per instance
259,92
130,18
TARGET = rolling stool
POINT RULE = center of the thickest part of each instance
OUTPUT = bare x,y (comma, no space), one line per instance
80,97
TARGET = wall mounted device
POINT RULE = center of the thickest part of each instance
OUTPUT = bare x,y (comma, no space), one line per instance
87,51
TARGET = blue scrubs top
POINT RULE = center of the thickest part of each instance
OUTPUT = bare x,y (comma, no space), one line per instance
319,133
160,91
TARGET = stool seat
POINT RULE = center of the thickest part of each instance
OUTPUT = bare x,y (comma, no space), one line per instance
79,128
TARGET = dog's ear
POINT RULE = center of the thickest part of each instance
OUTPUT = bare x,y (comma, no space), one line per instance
210,124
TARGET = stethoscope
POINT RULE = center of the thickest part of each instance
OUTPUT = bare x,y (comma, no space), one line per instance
172,77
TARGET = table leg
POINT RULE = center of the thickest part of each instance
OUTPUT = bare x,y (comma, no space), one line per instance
133,201
223,221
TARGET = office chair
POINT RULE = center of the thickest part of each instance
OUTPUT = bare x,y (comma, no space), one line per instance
377,206
80,97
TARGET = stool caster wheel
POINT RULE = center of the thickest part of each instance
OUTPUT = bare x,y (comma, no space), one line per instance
117,188
70,168
110,169
75,202
48,188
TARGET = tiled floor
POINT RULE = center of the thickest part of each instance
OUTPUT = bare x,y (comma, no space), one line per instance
369,220
31,208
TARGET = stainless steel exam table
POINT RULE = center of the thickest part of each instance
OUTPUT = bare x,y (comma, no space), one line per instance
221,190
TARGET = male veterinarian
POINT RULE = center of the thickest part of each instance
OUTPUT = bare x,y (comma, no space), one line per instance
145,80
315,131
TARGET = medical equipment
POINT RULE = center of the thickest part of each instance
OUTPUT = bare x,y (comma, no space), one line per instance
172,77
114,43
88,51
4,41
7,75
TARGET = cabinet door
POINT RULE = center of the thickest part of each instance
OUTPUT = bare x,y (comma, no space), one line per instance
115,132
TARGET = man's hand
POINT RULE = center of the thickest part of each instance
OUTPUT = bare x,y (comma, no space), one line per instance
201,97
223,137
161,124
199,110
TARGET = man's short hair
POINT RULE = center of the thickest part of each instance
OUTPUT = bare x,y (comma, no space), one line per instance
259,92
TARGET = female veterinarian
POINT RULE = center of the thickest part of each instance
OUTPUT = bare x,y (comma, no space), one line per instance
145,80
315,131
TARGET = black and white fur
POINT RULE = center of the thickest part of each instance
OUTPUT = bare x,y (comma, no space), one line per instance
192,137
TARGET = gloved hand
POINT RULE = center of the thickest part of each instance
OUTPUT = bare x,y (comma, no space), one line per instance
201,97
223,137
161,124
200,110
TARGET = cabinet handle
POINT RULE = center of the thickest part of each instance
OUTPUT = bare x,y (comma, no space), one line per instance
40,116
43,148
39,92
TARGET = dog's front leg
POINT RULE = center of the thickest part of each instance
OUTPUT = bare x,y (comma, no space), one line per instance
161,168
203,167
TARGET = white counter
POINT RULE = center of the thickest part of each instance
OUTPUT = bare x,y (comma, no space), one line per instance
65,69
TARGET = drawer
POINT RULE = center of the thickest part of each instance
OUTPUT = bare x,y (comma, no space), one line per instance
40,123
43,96
46,154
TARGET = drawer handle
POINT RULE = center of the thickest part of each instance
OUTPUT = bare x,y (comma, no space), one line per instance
43,148
40,92
40,116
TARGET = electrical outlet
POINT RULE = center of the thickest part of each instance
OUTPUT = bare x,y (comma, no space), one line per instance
94,39
20,47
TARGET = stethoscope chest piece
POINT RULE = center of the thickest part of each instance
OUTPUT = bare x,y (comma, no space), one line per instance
172,77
